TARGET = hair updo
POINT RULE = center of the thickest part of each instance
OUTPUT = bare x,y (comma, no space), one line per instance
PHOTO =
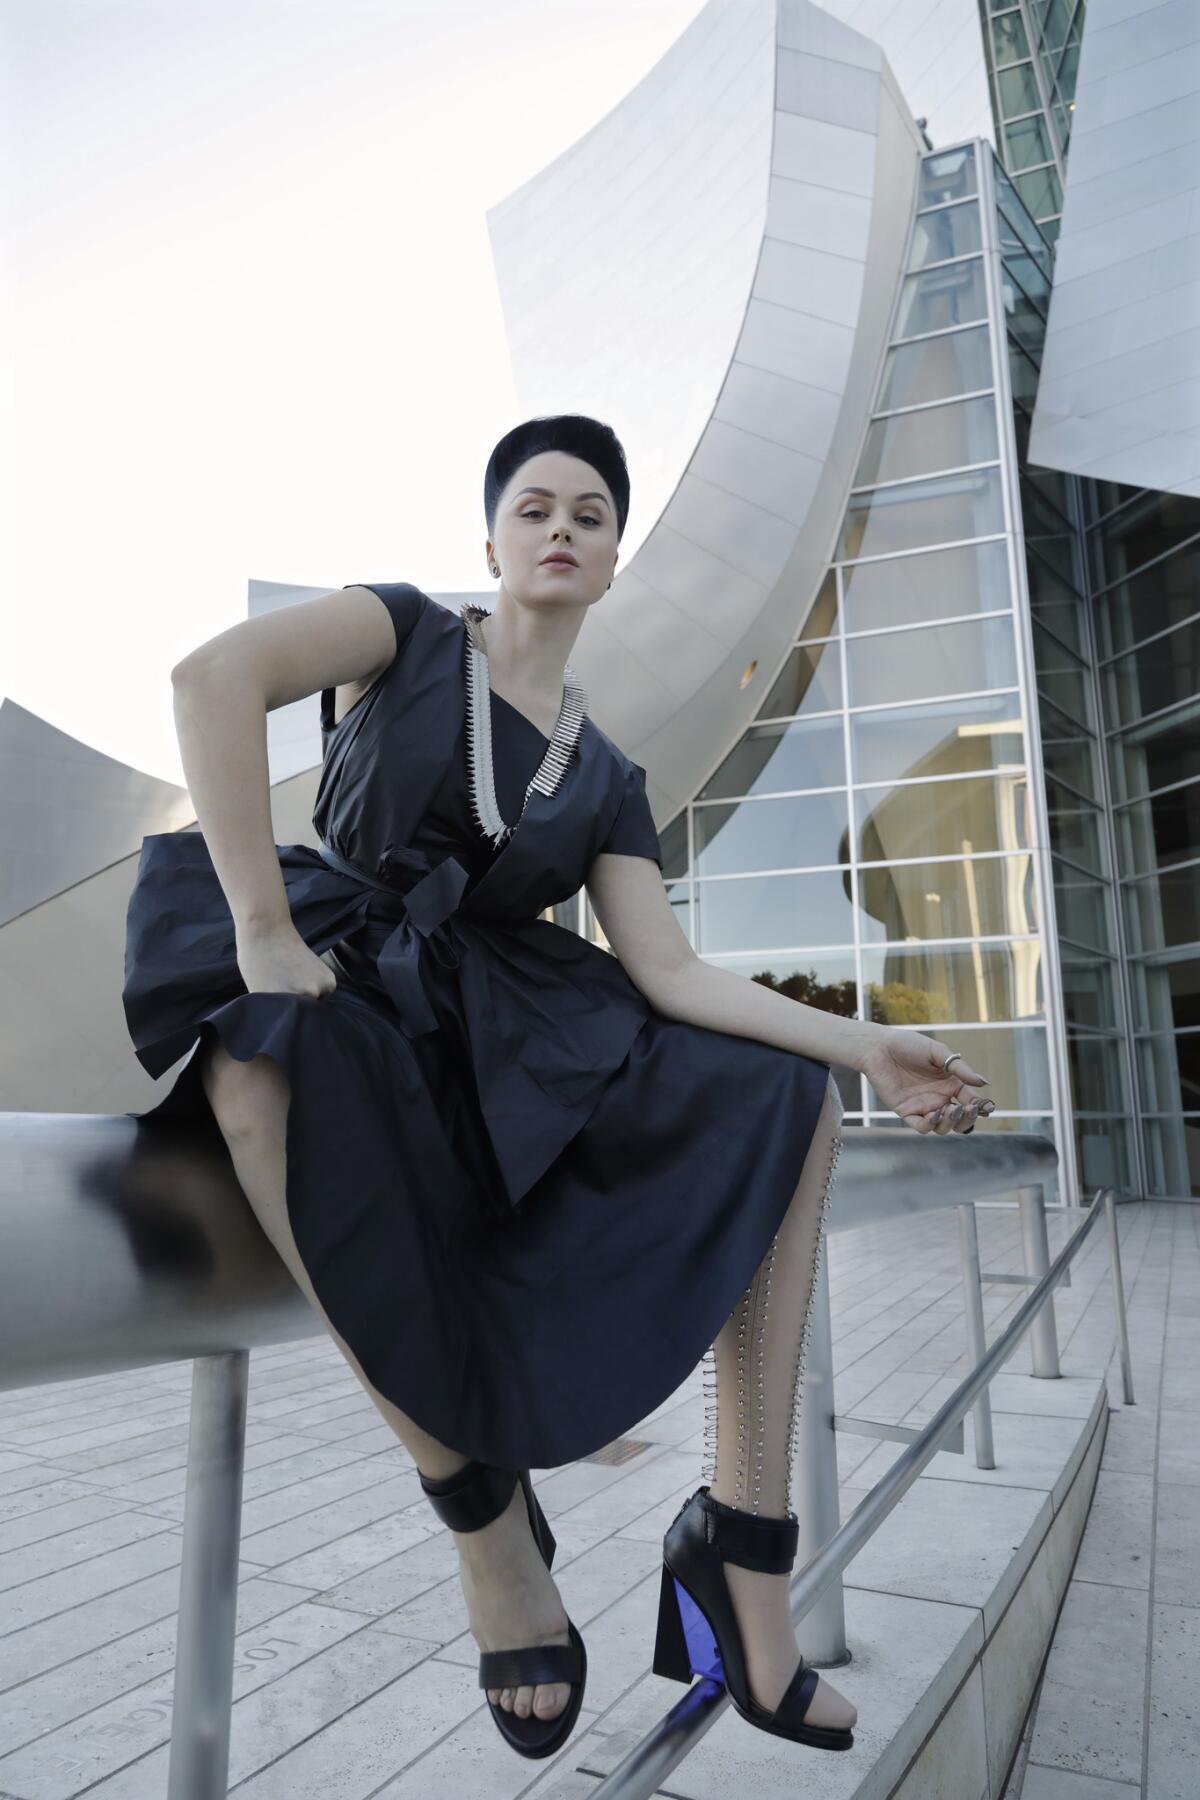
576,434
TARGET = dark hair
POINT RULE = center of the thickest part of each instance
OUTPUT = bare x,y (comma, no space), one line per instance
576,434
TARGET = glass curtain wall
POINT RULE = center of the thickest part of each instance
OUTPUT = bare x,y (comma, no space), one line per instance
1032,49
1093,991
869,843
1144,570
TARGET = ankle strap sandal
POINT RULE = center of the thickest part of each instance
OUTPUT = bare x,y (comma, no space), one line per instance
698,1632
467,1501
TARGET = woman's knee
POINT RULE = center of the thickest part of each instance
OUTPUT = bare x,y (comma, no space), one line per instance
248,1099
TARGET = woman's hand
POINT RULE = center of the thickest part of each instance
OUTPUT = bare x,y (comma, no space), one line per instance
905,1069
276,960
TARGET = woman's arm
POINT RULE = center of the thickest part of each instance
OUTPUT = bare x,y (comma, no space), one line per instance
635,915
223,693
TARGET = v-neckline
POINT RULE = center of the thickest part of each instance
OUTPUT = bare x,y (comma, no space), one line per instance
524,717
558,748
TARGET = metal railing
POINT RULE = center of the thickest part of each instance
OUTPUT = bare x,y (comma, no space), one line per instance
647,1765
127,1247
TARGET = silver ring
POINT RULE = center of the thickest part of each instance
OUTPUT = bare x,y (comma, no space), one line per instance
953,1056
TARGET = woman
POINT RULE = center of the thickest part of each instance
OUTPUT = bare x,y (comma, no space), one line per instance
525,1183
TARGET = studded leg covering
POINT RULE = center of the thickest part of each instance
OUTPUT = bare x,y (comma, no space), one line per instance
752,1374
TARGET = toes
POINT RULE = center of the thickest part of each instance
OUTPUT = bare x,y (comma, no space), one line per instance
493,1695
506,1699
523,1702
550,1700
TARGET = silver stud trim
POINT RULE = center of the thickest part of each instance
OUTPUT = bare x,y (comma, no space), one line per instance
554,763
802,1348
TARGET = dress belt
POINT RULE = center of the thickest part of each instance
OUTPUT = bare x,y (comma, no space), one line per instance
419,911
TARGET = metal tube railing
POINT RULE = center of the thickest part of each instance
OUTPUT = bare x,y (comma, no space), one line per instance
648,1764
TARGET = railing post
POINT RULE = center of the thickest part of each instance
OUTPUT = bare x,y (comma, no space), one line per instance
968,1239
821,1634
212,1517
1114,1262
1043,1333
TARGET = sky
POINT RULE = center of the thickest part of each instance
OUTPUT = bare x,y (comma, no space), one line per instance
250,324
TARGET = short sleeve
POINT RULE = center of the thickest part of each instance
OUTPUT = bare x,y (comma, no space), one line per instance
404,602
633,830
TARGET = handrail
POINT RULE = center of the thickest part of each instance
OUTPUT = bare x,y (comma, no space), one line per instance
665,1745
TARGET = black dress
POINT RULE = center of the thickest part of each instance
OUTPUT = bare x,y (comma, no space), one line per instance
526,1200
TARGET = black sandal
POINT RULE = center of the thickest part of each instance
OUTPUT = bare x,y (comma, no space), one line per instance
466,1501
697,1627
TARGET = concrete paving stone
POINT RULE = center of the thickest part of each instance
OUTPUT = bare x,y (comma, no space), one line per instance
1173,1770
85,1679
104,1470
295,1529
1179,1444
986,1538
1118,1539
1042,1783
106,1735
348,1699
474,1761
1177,1544
1090,1708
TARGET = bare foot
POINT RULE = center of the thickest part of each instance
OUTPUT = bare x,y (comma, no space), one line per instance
760,1604
512,1602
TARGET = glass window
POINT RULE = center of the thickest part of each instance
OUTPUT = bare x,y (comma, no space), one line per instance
1074,826
772,834
810,681
771,912
933,437
1041,191
823,978
1009,43
1155,755
1172,1150
1165,910
931,659
947,175
1089,989
1104,1150
989,896
952,231
1024,375
936,584
935,368
919,818
1028,143
1031,277
775,759
1017,89
944,738
1154,676
1016,225
781,758
1055,601
953,295
822,616
940,984
1025,321
1083,908
672,844
1062,677
1013,1057
1049,534
1166,993
917,514
1169,1070
1139,534
1157,832
1165,594
1052,484
1073,760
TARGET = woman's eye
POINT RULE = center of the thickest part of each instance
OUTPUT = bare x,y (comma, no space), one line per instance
536,513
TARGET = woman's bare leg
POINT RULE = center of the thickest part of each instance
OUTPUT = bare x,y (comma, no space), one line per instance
756,1364
512,1600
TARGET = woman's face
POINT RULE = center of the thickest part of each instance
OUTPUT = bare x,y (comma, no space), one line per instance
573,511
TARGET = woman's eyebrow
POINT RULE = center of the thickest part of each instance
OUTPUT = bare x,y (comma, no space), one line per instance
549,494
